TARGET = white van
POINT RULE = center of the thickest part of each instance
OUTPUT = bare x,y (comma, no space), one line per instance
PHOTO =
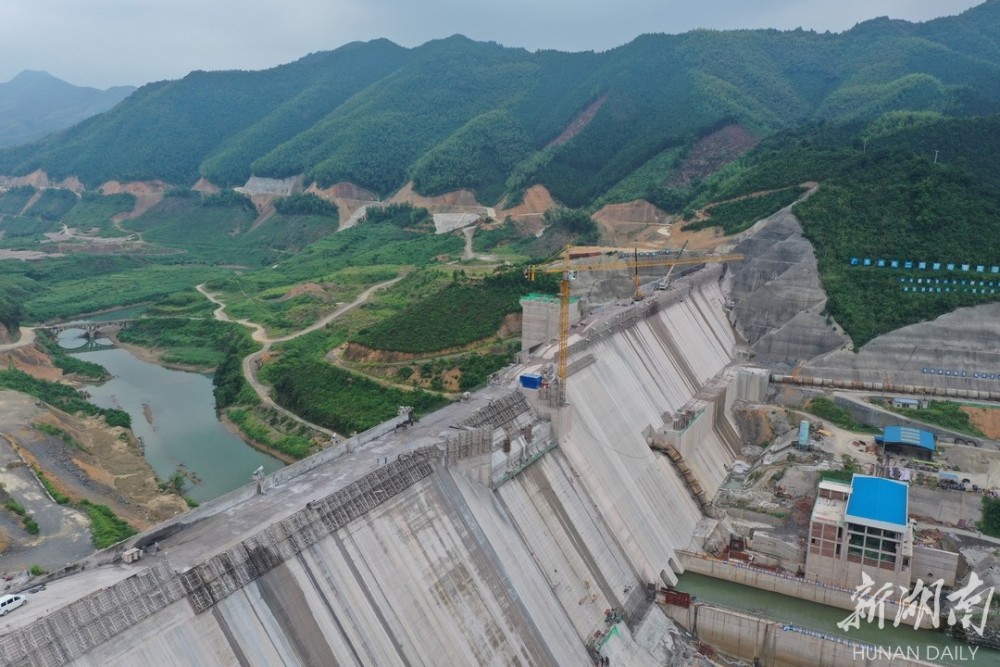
10,603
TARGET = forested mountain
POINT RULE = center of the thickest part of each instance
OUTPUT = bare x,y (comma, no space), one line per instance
34,104
454,113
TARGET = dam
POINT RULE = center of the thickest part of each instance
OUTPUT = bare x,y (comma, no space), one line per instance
503,529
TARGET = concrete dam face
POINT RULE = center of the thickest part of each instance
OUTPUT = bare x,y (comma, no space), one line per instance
501,530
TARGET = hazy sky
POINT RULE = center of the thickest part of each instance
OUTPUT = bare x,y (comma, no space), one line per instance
103,43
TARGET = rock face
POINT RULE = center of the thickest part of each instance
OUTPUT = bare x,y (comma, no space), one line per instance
777,295
777,300
961,344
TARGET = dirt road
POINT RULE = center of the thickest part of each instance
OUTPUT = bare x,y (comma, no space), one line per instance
250,362
64,533
27,338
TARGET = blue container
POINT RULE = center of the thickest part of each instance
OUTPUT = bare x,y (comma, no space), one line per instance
531,381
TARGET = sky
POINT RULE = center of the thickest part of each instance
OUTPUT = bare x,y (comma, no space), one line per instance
104,43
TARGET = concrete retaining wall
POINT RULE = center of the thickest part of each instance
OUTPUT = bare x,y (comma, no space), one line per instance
766,580
932,564
777,644
803,589
946,507
787,552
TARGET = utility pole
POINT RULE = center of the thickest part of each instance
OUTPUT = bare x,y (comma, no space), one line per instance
936,151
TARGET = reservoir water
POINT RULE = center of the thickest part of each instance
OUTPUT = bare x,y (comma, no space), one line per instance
173,412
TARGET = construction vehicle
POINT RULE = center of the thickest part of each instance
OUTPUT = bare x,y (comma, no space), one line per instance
664,282
568,271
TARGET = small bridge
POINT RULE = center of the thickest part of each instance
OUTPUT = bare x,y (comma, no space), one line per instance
90,329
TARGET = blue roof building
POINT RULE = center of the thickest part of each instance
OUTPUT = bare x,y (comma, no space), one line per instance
863,528
878,502
904,435
908,441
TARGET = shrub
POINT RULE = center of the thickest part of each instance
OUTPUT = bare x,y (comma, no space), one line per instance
105,528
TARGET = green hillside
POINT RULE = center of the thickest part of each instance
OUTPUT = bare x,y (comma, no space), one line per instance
899,124
33,104
454,113
882,196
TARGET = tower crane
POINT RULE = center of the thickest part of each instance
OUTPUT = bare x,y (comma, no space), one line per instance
568,271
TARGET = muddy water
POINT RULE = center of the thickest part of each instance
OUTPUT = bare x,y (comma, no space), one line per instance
173,412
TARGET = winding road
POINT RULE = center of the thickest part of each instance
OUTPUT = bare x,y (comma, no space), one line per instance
260,335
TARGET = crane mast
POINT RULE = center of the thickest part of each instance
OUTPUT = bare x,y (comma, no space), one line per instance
566,269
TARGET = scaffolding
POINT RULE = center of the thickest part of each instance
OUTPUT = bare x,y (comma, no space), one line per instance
70,632
499,413
222,575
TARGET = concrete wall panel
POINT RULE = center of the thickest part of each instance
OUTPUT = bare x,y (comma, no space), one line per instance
654,367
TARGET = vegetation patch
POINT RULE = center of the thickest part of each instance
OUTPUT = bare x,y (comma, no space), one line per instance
478,156
281,304
451,373
60,498
93,212
16,507
187,303
305,204
61,434
465,311
826,409
265,427
30,525
740,214
106,529
13,201
948,414
990,523
845,474
191,342
403,216
329,396
62,396
61,297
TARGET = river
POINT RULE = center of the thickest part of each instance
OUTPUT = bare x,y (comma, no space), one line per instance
173,413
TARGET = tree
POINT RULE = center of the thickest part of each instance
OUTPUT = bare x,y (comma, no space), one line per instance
991,517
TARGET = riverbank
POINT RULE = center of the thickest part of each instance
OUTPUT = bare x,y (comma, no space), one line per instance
155,356
259,446
50,462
